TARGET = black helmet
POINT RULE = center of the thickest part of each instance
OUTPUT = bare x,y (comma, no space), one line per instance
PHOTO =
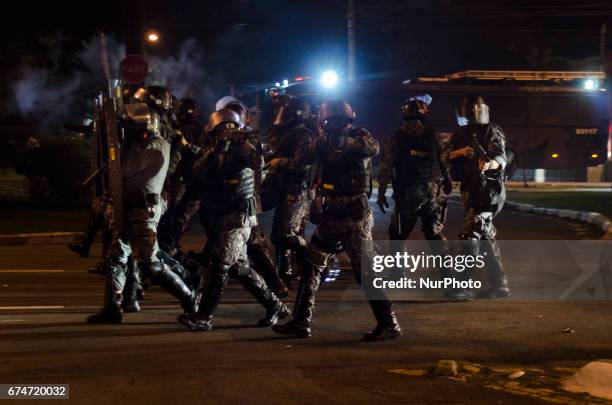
156,97
188,108
291,110
472,110
336,108
234,104
416,107
226,117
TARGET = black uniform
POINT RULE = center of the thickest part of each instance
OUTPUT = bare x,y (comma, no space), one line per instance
483,196
412,164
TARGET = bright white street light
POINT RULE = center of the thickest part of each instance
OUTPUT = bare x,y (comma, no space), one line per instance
329,78
589,84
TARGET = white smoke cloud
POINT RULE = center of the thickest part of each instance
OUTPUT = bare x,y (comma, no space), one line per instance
184,74
36,93
52,97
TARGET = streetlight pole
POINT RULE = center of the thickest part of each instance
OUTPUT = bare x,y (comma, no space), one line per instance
350,22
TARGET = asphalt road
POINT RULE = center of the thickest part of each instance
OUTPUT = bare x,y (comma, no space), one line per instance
46,294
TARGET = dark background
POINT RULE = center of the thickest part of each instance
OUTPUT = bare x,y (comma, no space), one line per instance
46,46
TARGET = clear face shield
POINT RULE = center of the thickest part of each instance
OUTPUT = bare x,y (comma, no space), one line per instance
472,114
139,115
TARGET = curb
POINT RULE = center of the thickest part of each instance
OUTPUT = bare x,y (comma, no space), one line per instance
594,218
38,238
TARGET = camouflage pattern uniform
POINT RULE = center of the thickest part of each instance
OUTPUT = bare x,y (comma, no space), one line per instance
101,219
412,164
293,179
346,222
257,248
227,176
144,169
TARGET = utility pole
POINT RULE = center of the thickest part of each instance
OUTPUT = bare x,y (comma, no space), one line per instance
350,22
606,64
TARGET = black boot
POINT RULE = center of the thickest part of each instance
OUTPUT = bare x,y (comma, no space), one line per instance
89,236
130,294
79,249
299,326
213,283
274,314
191,278
498,280
387,326
470,246
107,315
256,286
285,270
111,312
161,275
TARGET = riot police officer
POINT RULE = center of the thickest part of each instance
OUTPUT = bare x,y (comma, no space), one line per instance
183,196
145,162
291,174
227,176
478,157
344,154
412,164
257,248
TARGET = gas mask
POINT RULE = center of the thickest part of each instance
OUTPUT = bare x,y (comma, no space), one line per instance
336,129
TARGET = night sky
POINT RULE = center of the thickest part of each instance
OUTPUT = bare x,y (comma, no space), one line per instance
252,43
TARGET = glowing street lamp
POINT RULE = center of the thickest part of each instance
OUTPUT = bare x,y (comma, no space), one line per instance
329,79
152,37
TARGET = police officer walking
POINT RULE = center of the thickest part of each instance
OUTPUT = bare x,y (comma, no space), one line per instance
344,155
257,247
478,157
227,175
145,162
290,171
412,164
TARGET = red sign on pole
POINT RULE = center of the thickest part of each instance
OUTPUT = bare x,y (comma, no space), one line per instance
134,68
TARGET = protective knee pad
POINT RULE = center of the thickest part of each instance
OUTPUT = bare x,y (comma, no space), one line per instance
151,270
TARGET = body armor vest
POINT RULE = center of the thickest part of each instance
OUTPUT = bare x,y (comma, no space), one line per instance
146,165
346,173
232,185
293,180
416,158
486,191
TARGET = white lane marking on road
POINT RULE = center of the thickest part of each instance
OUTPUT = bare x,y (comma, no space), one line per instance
31,271
34,307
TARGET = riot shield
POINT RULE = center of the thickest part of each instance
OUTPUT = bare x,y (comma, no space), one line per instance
106,148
